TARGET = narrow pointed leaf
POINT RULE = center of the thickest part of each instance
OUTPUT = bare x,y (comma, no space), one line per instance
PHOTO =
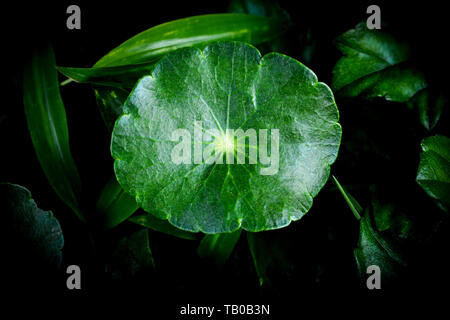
114,205
163,226
218,246
270,258
47,124
119,77
351,202
193,31
124,65
433,174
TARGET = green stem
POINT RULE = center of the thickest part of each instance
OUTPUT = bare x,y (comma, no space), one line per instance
67,81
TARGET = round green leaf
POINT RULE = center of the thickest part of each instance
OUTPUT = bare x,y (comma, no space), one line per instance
227,86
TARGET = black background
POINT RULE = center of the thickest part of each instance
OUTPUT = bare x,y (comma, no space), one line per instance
326,236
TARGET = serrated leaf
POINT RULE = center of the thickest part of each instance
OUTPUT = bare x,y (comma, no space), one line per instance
218,246
373,249
38,231
110,102
227,85
433,174
47,124
132,257
374,66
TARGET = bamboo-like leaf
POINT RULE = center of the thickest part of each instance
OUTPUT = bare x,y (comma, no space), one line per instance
163,226
192,31
218,246
118,77
270,257
114,205
47,124
124,65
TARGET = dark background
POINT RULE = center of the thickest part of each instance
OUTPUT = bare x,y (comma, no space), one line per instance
320,246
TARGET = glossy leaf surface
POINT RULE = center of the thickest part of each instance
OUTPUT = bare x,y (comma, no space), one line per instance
228,85
118,77
198,30
47,124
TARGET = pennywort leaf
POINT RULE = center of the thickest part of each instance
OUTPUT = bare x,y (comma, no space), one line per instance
218,246
39,231
47,124
192,100
433,174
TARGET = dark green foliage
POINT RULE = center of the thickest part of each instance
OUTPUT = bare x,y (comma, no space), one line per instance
36,232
